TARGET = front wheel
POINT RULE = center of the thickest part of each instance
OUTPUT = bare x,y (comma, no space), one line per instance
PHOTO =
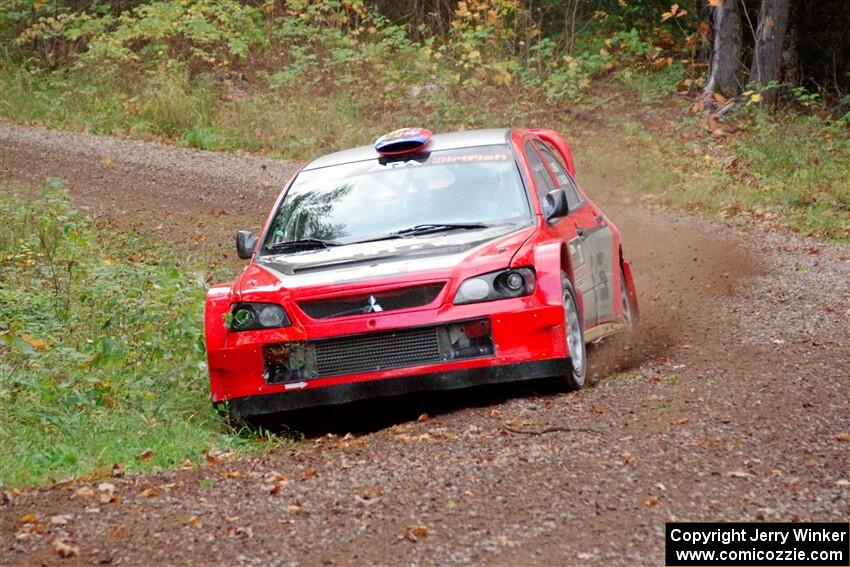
576,377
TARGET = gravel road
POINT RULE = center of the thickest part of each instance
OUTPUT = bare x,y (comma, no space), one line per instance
732,402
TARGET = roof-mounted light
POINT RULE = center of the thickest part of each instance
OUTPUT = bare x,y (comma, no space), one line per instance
403,141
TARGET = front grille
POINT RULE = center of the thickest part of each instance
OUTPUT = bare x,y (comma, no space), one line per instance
379,351
387,300
372,352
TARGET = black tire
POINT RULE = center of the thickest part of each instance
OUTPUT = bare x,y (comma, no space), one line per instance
576,376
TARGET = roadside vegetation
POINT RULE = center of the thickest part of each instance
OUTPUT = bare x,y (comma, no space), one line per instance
100,333
102,366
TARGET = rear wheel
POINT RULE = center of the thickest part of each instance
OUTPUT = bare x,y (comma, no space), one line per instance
576,377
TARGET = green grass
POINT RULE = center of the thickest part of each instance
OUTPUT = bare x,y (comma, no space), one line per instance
799,170
101,349
785,169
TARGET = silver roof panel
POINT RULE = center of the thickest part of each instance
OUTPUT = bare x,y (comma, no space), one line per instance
448,141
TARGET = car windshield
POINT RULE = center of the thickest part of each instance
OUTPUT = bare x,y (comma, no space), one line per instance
351,202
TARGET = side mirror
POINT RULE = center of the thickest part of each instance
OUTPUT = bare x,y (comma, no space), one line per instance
555,204
246,242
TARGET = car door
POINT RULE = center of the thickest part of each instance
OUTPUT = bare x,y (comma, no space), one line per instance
597,237
568,229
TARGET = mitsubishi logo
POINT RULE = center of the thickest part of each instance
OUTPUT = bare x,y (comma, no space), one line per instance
374,306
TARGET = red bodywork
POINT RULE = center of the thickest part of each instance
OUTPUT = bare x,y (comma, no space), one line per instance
524,329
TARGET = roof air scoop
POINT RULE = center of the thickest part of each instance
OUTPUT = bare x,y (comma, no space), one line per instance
403,141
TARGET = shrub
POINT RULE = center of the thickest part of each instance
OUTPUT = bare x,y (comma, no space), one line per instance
101,349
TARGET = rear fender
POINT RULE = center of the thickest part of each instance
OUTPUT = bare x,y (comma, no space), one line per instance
630,286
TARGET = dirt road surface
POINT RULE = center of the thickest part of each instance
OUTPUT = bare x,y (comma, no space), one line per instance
731,403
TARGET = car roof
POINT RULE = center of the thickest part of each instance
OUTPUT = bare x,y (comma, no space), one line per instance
447,141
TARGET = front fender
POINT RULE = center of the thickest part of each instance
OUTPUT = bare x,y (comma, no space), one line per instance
217,306
549,265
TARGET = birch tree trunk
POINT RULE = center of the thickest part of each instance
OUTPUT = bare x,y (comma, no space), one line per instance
770,35
726,52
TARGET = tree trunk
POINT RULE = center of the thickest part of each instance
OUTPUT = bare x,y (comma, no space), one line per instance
725,58
770,35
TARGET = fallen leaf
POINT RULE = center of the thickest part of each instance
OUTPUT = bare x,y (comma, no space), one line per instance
107,493
109,498
275,476
107,160
85,491
309,473
149,492
650,501
275,489
739,474
369,495
243,532
495,413
416,532
295,509
423,417
65,550
61,519
714,3
146,455
233,474
115,531
681,421
29,518
843,437
35,343
193,522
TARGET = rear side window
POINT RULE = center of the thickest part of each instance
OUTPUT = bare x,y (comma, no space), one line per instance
542,179
565,180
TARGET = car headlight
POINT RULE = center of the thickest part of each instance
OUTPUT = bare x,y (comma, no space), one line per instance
513,282
249,316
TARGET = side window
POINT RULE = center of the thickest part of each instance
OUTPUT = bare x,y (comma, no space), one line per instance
565,182
542,179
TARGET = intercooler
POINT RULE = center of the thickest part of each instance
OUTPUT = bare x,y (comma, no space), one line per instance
374,352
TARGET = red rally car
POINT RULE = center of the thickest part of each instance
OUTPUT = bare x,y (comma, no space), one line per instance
420,263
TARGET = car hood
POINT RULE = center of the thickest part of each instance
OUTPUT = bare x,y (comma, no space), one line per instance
384,258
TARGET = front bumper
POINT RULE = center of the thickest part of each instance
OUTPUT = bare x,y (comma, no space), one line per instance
354,391
527,336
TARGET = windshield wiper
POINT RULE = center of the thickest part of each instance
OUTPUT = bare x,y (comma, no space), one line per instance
306,243
437,227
